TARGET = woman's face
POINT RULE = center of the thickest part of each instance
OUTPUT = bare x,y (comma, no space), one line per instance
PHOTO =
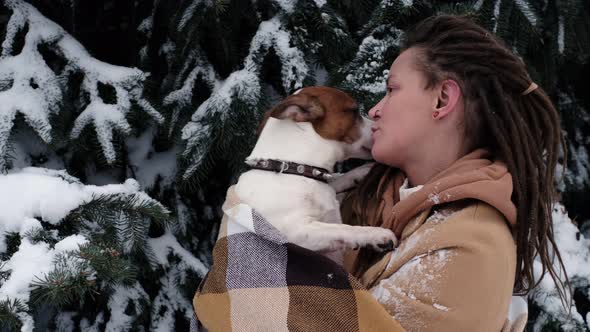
403,118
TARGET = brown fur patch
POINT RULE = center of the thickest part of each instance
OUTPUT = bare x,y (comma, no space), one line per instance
333,113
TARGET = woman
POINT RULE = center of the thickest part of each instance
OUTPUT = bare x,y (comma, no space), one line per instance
467,146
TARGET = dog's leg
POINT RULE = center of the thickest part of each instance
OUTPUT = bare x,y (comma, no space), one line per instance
320,236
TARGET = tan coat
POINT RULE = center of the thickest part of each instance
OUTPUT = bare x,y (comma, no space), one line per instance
453,271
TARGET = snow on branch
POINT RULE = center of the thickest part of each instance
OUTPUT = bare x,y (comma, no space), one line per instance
527,12
478,4
561,35
575,253
168,243
33,195
189,12
36,91
272,34
243,86
182,97
51,195
118,302
31,260
320,3
365,73
496,15
169,302
287,5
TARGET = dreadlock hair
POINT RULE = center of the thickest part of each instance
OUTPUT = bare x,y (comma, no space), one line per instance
522,130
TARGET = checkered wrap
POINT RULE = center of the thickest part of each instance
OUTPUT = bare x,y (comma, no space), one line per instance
260,282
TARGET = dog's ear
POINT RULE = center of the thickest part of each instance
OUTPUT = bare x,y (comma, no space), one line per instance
299,108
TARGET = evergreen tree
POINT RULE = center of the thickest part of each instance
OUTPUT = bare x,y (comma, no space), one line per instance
166,97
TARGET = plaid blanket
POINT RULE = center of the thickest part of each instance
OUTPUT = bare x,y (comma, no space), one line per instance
260,282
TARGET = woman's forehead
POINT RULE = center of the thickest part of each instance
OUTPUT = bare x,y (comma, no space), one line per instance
404,63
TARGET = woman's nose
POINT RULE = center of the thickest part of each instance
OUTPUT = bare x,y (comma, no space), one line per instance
375,112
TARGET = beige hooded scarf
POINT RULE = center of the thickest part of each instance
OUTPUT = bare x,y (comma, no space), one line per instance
473,176
454,268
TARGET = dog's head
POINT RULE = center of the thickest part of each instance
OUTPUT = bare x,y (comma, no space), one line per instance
333,114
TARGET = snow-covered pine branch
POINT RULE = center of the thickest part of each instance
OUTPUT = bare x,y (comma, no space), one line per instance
181,97
575,252
47,260
118,303
34,90
186,14
577,172
243,86
169,299
365,75
527,11
29,86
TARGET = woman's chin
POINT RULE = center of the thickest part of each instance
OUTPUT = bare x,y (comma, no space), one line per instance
376,154
384,157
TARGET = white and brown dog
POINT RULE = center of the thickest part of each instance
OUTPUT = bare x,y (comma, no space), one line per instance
299,142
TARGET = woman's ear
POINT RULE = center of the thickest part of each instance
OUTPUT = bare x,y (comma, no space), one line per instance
449,96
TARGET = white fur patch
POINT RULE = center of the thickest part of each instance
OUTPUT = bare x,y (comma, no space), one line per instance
241,219
296,92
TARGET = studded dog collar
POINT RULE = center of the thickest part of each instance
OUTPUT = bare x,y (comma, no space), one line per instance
288,167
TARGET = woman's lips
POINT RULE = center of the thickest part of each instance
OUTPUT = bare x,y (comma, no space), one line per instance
374,132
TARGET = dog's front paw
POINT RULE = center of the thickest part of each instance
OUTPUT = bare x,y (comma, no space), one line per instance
320,236
386,247
380,239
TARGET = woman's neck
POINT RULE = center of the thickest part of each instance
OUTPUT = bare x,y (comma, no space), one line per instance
437,159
